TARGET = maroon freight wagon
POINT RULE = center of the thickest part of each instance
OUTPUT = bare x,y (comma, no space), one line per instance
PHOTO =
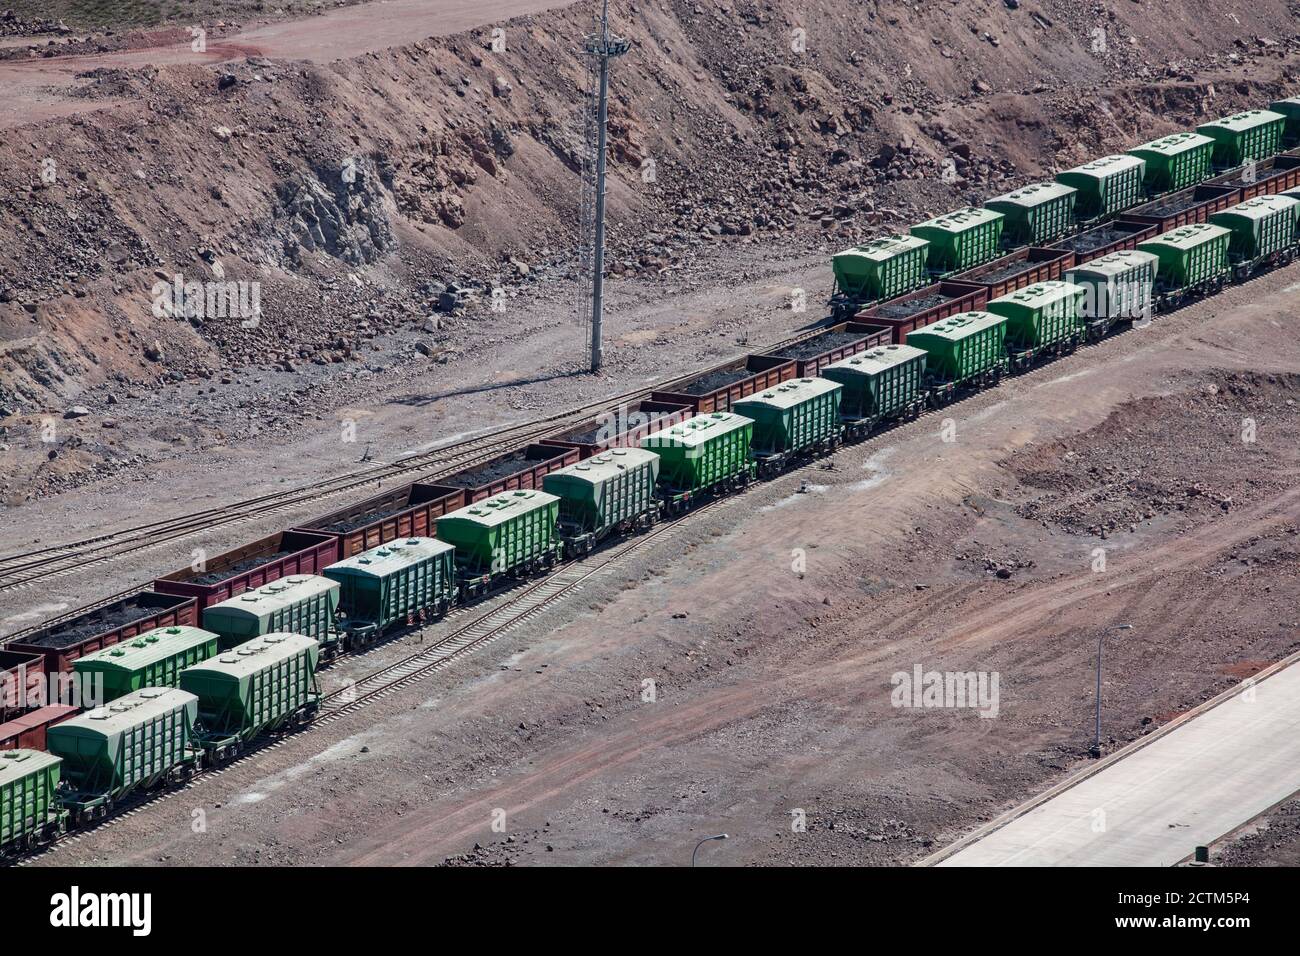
28,731
621,426
718,390
833,345
22,680
265,560
924,306
1115,236
1266,178
1022,268
63,641
511,472
411,511
1185,207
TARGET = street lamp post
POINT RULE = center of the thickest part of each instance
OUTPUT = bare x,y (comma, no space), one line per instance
720,836
1096,745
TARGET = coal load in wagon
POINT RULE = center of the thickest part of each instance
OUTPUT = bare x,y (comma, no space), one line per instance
239,567
1086,242
493,471
94,623
902,309
821,344
716,380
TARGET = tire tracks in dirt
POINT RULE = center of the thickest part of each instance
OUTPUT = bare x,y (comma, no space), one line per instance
429,836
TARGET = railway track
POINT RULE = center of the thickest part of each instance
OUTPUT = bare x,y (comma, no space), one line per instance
27,569
483,630
520,606
22,571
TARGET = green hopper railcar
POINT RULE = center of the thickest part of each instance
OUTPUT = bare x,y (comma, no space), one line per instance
262,686
1244,137
961,240
1106,186
30,815
1043,317
300,604
1289,108
879,384
962,350
1175,162
702,455
152,659
1193,261
401,582
797,418
614,491
508,535
1035,214
138,742
881,269
1118,287
1263,232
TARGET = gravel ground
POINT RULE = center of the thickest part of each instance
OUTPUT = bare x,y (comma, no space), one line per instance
1271,840
772,628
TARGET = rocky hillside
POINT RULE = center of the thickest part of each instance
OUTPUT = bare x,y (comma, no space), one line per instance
355,193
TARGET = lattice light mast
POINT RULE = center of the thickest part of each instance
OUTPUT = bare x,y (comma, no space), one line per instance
601,47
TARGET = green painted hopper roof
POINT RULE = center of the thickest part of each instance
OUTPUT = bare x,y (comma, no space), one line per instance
16,764
126,712
696,431
248,658
884,249
147,648
1040,294
387,558
874,361
1261,207
1035,195
791,393
279,594
1174,144
960,220
1186,237
606,465
1240,122
960,326
1107,166
1291,192
1114,263
501,508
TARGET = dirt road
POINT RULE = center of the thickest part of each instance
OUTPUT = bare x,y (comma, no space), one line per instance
40,89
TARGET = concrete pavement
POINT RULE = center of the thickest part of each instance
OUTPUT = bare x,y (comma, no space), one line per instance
1154,802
